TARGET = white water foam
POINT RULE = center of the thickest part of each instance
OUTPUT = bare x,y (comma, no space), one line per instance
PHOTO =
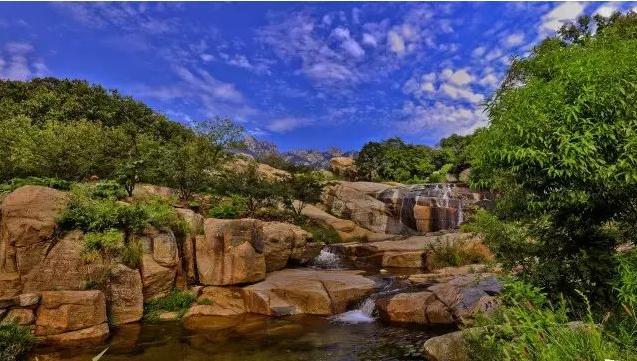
362,315
327,259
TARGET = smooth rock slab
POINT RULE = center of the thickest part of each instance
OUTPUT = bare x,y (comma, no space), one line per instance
218,301
305,291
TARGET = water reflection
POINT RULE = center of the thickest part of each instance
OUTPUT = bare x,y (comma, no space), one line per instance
253,338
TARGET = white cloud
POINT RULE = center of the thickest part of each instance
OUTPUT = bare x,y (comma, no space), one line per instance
478,52
18,62
489,80
562,13
207,57
427,87
350,45
396,42
606,10
441,119
461,77
369,39
329,71
286,124
514,40
456,92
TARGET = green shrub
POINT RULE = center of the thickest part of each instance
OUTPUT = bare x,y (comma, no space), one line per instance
15,183
160,214
440,176
229,207
454,254
528,327
176,301
94,215
321,233
132,254
108,190
107,243
15,342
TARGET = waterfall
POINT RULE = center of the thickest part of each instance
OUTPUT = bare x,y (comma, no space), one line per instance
327,260
363,314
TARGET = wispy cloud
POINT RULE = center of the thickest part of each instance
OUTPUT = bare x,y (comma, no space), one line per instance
18,61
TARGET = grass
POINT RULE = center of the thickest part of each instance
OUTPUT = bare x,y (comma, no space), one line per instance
528,328
176,301
132,254
455,254
320,233
15,342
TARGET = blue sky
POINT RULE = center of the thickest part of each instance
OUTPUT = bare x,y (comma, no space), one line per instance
302,75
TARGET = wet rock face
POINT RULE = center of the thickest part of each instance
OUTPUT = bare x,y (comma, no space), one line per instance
429,207
402,209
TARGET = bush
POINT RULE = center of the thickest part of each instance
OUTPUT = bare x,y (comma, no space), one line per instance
229,207
454,254
107,244
15,183
176,301
528,327
132,254
160,214
93,215
15,342
107,190
320,233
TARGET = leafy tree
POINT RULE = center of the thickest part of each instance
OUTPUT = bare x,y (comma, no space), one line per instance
394,160
305,187
561,151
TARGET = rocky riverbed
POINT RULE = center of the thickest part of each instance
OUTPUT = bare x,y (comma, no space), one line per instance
261,290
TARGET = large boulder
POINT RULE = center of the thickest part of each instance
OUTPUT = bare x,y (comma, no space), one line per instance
157,281
355,201
71,317
160,262
125,299
230,252
28,223
284,242
305,291
195,227
236,251
411,252
446,300
218,301
346,229
448,347
10,284
343,167
64,267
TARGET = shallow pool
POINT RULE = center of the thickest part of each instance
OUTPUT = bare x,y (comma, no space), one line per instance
253,338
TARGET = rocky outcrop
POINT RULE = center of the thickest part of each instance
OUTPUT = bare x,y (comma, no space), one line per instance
125,299
218,301
237,251
160,262
343,167
195,227
355,201
304,291
412,252
448,347
230,252
145,191
239,164
64,267
27,227
72,317
346,229
450,301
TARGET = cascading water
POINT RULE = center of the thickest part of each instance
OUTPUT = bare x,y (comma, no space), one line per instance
327,260
363,314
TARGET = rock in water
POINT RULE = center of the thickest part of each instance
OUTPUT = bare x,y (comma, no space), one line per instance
305,291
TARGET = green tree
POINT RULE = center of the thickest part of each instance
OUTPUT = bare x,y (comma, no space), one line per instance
561,152
394,160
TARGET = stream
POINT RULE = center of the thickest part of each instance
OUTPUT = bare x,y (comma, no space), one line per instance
353,335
